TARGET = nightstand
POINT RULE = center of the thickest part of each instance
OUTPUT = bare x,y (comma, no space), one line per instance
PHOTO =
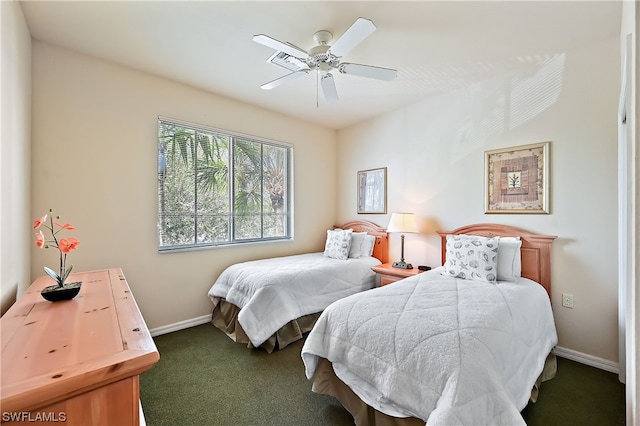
389,274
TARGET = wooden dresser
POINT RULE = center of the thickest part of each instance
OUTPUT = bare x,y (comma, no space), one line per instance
75,362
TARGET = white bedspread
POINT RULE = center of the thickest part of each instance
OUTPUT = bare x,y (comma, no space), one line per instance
272,292
445,350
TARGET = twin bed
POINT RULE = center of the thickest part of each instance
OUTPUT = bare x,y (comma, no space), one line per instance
271,303
437,348
465,343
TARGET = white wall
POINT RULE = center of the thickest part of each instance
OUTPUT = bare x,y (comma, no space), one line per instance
95,162
15,123
434,152
630,241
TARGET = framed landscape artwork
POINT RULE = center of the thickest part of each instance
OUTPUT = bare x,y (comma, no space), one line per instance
372,191
517,179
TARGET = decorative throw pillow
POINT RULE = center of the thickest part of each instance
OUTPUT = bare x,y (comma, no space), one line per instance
472,257
367,246
338,243
509,263
357,240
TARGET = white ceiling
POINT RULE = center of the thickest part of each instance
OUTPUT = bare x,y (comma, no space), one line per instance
435,46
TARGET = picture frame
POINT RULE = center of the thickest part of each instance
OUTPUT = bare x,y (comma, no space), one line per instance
517,179
372,191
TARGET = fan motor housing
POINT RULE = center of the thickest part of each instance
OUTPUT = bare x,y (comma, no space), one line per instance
319,53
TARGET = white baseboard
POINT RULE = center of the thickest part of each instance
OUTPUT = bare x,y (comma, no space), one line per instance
593,361
180,325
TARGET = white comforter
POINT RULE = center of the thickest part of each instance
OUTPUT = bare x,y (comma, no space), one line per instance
448,351
272,292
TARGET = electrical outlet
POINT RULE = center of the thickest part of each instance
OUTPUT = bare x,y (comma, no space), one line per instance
567,300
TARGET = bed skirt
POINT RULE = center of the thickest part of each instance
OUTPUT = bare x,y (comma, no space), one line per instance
225,317
326,382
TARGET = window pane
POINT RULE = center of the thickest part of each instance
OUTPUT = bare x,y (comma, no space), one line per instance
274,165
176,191
247,192
212,188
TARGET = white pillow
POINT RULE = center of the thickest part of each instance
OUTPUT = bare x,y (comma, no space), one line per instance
367,246
338,243
472,257
509,262
357,240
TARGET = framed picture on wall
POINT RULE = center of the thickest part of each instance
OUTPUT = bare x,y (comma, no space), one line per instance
372,191
517,179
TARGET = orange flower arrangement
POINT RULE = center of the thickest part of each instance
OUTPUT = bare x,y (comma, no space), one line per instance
64,245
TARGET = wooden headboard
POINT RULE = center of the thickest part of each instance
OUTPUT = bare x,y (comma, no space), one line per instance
535,251
381,247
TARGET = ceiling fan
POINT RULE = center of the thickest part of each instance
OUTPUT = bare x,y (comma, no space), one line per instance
324,58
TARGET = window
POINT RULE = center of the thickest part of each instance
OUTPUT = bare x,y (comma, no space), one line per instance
216,187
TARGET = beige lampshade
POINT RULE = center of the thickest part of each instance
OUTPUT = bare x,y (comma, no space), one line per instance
402,222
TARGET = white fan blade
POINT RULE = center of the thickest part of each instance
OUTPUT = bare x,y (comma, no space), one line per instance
329,88
369,71
279,81
280,46
354,35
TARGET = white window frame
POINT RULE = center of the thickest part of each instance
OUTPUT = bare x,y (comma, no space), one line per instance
232,239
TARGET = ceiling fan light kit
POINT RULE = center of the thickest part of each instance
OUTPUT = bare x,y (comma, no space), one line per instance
323,58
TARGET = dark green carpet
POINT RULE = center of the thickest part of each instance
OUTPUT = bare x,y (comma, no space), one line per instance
204,378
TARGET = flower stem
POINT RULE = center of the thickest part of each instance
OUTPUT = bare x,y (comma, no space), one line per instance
55,240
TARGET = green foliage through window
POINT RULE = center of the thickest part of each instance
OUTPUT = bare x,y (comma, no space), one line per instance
216,187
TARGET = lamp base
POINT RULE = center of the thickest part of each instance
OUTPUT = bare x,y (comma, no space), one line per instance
402,265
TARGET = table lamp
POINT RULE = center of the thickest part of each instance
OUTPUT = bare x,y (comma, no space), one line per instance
402,222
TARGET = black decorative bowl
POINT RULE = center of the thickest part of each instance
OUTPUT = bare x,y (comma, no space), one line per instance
55,293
